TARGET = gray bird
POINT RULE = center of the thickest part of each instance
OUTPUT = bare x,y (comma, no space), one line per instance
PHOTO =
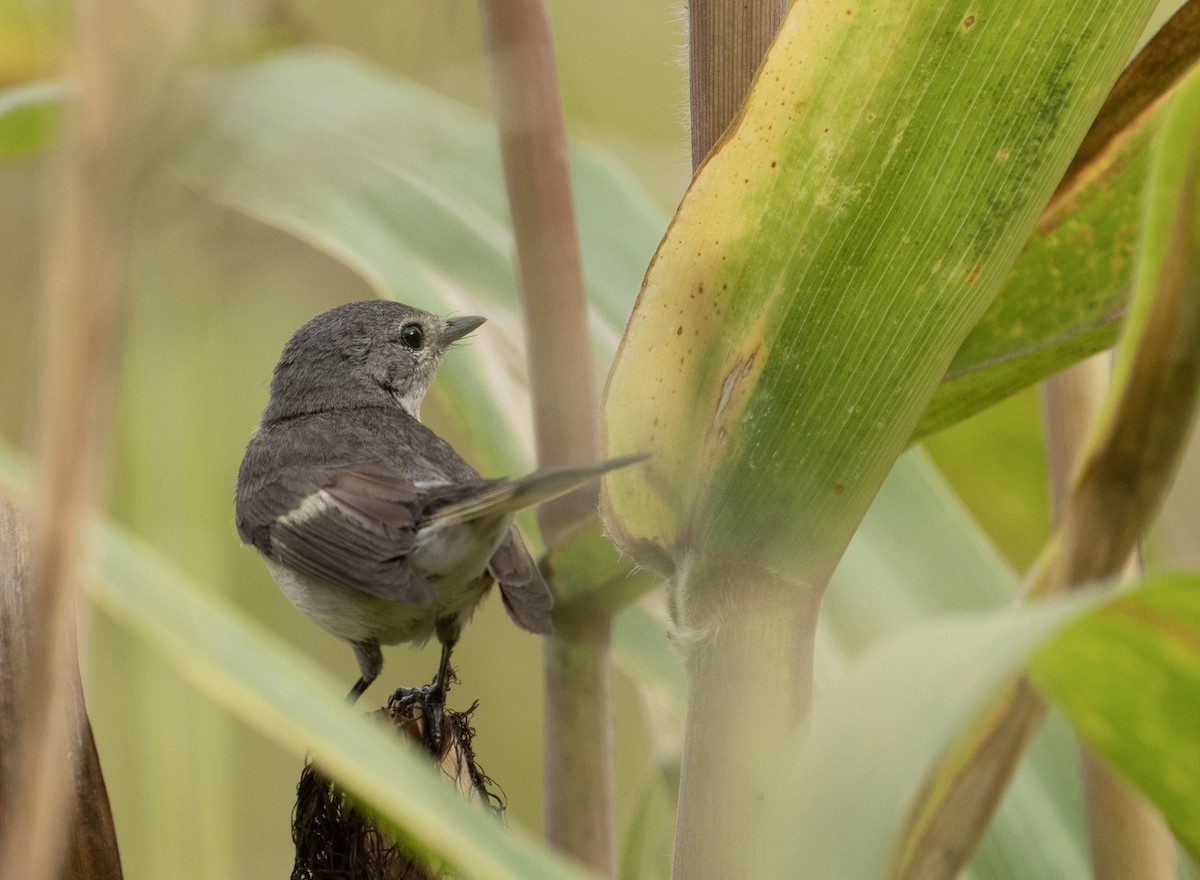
370,522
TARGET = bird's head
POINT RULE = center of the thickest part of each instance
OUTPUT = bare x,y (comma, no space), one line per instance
374,353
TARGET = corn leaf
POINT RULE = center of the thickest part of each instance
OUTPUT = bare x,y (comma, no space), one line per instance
1128,676
829,259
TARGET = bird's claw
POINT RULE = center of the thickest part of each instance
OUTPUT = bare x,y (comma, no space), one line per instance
431,699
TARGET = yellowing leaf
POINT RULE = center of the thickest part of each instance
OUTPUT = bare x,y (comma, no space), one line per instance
829,259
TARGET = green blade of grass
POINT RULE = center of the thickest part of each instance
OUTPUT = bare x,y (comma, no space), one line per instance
873,739
1128,676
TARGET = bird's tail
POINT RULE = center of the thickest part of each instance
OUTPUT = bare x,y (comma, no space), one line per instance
502,497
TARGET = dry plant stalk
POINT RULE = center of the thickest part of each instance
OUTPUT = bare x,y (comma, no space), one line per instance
335,839
89,838
1128,836
121,74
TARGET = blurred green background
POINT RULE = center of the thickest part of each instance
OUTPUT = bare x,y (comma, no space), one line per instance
214,297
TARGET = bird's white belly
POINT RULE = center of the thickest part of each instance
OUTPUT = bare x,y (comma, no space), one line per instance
356,616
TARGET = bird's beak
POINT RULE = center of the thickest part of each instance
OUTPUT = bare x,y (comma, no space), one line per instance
457,328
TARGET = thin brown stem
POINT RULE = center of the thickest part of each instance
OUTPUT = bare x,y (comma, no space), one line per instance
86,280
121,73
1070,401
534,148
579,762
1128,837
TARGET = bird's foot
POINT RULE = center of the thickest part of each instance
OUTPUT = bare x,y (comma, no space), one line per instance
431,700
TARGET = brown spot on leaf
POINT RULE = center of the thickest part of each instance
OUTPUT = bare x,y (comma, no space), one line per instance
973,274
739,372
838,489
969,20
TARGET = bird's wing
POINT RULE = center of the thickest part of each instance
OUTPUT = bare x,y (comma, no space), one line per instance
352,526
526,596
473,500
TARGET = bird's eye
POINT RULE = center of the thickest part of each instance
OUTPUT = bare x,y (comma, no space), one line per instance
412,336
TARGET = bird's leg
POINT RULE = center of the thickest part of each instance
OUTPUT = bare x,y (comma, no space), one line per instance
442,682
370,664
437,698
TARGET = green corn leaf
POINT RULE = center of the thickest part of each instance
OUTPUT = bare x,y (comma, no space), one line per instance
829,259
1065,295
1128,676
